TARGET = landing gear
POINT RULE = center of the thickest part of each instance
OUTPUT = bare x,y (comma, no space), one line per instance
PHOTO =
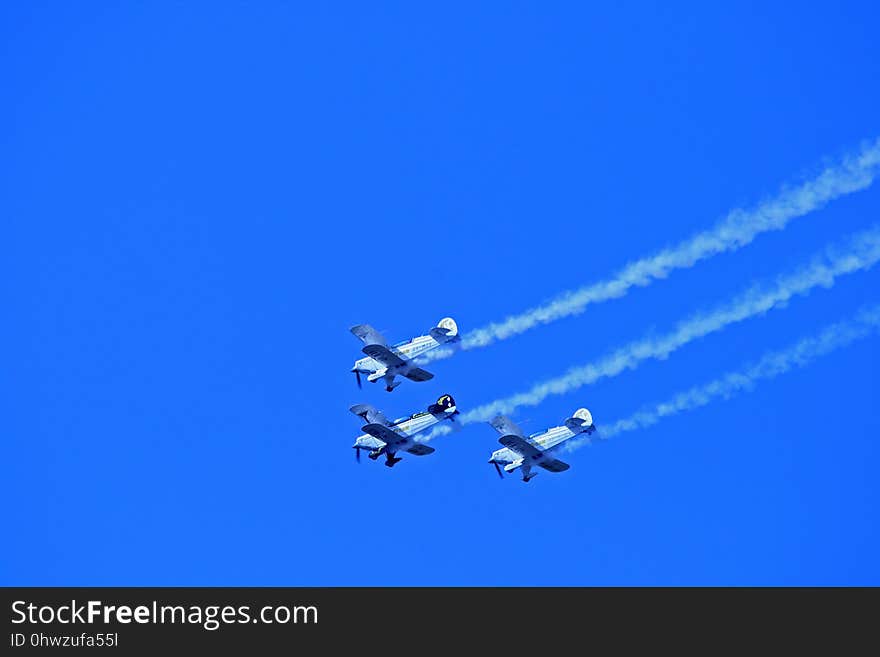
390,459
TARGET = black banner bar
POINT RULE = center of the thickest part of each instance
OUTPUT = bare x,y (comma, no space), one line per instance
125,620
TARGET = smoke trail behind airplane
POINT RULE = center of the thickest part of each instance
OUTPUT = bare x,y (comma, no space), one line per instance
772,364
859,252
739,228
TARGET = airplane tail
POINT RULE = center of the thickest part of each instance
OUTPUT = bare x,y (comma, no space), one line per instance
445,331
444,403
581,420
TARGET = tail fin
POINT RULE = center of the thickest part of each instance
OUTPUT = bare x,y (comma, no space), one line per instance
581,420
445,330
444,403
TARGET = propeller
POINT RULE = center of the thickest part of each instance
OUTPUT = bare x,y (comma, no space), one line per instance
357,453
497,468
357,375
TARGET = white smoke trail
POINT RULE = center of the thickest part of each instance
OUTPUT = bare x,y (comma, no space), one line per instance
737,229
860,252
439,430
771,365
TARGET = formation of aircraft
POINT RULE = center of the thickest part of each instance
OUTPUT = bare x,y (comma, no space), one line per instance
384,437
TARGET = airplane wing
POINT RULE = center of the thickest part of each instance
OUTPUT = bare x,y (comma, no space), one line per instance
388,436
384,355
368,442
420,449
505,426
520,445
555,465
370,414
418,374
368,334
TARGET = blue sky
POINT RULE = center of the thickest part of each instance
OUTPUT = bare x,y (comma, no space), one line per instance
202,198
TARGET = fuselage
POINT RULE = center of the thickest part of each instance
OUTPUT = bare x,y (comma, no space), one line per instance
409,427
546,441
407,350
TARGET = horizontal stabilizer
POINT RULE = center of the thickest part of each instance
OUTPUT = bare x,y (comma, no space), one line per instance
576,424
555,465
420,449
440,334
368,334
418,374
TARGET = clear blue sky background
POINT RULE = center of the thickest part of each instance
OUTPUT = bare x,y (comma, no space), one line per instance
199,199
